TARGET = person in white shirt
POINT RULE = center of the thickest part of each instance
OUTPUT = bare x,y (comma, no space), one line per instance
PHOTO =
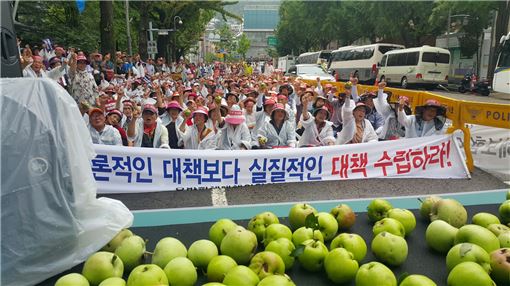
198,136
428,120
391,128
148,131
249,113
235,134
100,132
278,131
318,130
36,69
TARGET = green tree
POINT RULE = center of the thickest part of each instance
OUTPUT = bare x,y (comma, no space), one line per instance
243,45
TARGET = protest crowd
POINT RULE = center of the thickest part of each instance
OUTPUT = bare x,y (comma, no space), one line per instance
157,104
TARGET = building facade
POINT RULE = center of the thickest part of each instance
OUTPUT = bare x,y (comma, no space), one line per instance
259,26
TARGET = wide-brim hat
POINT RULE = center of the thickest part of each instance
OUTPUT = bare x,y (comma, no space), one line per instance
150,107
116,112
235,116
54,60
232,94
320,97
431,103
248,99
95,110
310,90
81,58
288,87
279,106
174,104
201,110
360,104
315,111
368,95
37,58
269,101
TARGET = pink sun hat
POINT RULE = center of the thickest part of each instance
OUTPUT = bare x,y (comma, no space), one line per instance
235,115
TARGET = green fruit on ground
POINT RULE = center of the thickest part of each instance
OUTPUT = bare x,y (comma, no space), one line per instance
131,251
440,236
240,244
219,229
417,280
352,242
389,248
72,279
449,210
344,215
303,234
313,255
469,273
113,281
468,252
102,265
327,225
201,252
426,206
485,219
276,280
167,249
213,284
181,271
267,263
390,225
260,222
377,209
298,214
219,266
340,266
504,212
500,265
117,240
241,275
275,231
478,235
504,239
147,275
498,228
283,247
405,217
375,273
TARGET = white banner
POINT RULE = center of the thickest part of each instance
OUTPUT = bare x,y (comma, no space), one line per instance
133,170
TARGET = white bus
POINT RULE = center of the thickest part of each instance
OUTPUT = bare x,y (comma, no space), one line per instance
319,57
501,79
362,59
426,66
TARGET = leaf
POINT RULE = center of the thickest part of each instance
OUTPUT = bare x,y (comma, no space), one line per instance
464,249
402,277
298,251
312,221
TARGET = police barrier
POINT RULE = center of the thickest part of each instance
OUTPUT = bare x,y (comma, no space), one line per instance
123,169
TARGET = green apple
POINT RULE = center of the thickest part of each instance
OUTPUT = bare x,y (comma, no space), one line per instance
240,244
344,216
267,263
478,235
390,249
504,212
498,229
449,210
298,214
276,280
313,255
102,265
219,229
352,242
167,249
405,217
504,239
131,251
390,225
440,236
213,284
500,264
181,271
375,273
201,252
72,279
340,266
283,247
469,273
463,252
485,219
426,206
260,222
147,275
116,240
113,281
327,225
377,209
304,233
417,280
241,275
275,231
219,266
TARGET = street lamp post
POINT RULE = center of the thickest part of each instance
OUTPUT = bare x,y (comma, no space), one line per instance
175,36
162,32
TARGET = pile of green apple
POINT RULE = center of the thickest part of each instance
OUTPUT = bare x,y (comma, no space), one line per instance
262,252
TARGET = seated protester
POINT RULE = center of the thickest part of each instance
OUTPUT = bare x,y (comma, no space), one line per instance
249,113
37,69
372,114
261,117
318,130
127,111
288,91
336,103
428,120
278,131
173,110
232,99
100,132
148,131
191,106
198,136
391,129
235,134
356,129
282,99
113,118
63,80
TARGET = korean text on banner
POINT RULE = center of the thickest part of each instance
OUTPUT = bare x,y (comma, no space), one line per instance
132,170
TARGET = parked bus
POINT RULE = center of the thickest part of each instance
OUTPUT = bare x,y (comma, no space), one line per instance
362,59
501,79
319,57
426,66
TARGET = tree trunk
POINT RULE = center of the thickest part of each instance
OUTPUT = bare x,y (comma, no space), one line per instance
142,29
106,28
501,28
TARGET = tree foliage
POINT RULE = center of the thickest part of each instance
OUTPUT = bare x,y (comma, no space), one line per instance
243,45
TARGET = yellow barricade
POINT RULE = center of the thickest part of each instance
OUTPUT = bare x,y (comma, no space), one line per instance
460,112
